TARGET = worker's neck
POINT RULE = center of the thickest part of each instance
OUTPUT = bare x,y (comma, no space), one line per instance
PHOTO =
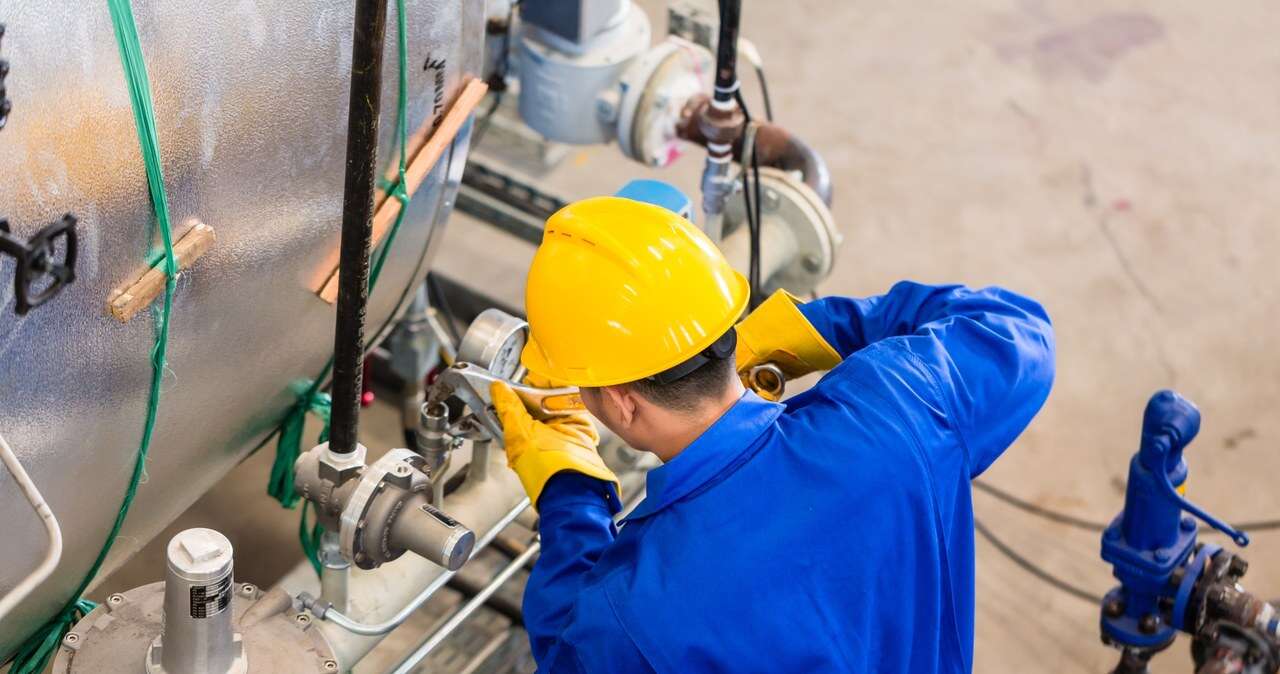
680,429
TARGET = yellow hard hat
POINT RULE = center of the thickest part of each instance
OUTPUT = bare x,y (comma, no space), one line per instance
622,290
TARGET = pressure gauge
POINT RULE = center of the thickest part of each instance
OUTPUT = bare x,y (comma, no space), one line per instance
494,341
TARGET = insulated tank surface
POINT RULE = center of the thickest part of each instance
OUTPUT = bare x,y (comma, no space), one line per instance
251,112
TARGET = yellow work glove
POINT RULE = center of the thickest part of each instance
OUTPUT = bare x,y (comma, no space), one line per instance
537,450
776,332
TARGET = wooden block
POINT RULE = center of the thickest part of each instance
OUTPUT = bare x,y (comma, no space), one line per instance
126,302
420,164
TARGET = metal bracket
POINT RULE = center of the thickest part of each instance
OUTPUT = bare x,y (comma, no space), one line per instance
36,262
505,201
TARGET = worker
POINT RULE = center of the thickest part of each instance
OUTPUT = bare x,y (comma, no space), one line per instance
832,532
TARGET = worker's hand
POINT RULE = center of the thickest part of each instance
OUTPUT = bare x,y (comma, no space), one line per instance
537,450
776,332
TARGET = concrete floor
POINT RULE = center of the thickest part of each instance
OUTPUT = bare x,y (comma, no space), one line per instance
1116,160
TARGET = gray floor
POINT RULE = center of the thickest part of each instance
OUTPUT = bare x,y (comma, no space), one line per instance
1115,160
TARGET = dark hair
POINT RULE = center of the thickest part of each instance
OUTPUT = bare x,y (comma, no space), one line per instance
688,393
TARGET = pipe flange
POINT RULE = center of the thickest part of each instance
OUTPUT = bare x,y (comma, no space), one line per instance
369,511
116,636
797,207
654,91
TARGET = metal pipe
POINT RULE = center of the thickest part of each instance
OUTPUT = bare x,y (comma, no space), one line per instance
335,571
380,593
465,611
480,598
479,468
53,532
340,619
778,148
357,222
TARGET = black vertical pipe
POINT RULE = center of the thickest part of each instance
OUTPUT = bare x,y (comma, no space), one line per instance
357,222
727,50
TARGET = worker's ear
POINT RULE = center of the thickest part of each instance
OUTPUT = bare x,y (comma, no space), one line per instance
623,401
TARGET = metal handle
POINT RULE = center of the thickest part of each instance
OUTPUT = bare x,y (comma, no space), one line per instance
35,261
1240,537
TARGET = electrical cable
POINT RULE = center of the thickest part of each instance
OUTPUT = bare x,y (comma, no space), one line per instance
764,93
1087,525
1069,520
1031,567
1039,511
498,81
441,302
753,214
483,125
747,51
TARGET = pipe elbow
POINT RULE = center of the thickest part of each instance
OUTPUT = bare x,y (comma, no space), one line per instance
780,149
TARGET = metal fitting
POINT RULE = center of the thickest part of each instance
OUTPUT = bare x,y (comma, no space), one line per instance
338,468
433,442
382,510
198,633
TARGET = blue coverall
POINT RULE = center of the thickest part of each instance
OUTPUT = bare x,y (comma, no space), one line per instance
832,533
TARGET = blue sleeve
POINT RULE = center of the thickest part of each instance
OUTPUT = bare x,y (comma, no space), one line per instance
987,354
575,521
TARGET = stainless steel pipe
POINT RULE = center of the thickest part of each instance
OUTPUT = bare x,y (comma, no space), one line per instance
380,597
437,637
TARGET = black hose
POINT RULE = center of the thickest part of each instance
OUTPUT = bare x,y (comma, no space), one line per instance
727,50
764,94
357,221
1031,567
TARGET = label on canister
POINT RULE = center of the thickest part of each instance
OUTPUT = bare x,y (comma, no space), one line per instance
211,599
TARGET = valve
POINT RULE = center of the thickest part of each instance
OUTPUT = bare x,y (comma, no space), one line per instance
38,274
1169,582
381,510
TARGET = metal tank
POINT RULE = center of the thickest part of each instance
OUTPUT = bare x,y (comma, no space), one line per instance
251,106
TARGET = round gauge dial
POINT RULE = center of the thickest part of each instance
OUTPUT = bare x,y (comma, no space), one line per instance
494,341
506,359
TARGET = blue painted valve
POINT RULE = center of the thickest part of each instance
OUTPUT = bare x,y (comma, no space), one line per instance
1168,582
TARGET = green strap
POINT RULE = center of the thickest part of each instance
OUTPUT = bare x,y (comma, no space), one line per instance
311,399
34,654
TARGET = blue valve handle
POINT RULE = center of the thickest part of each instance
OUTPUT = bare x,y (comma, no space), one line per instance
1240,537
